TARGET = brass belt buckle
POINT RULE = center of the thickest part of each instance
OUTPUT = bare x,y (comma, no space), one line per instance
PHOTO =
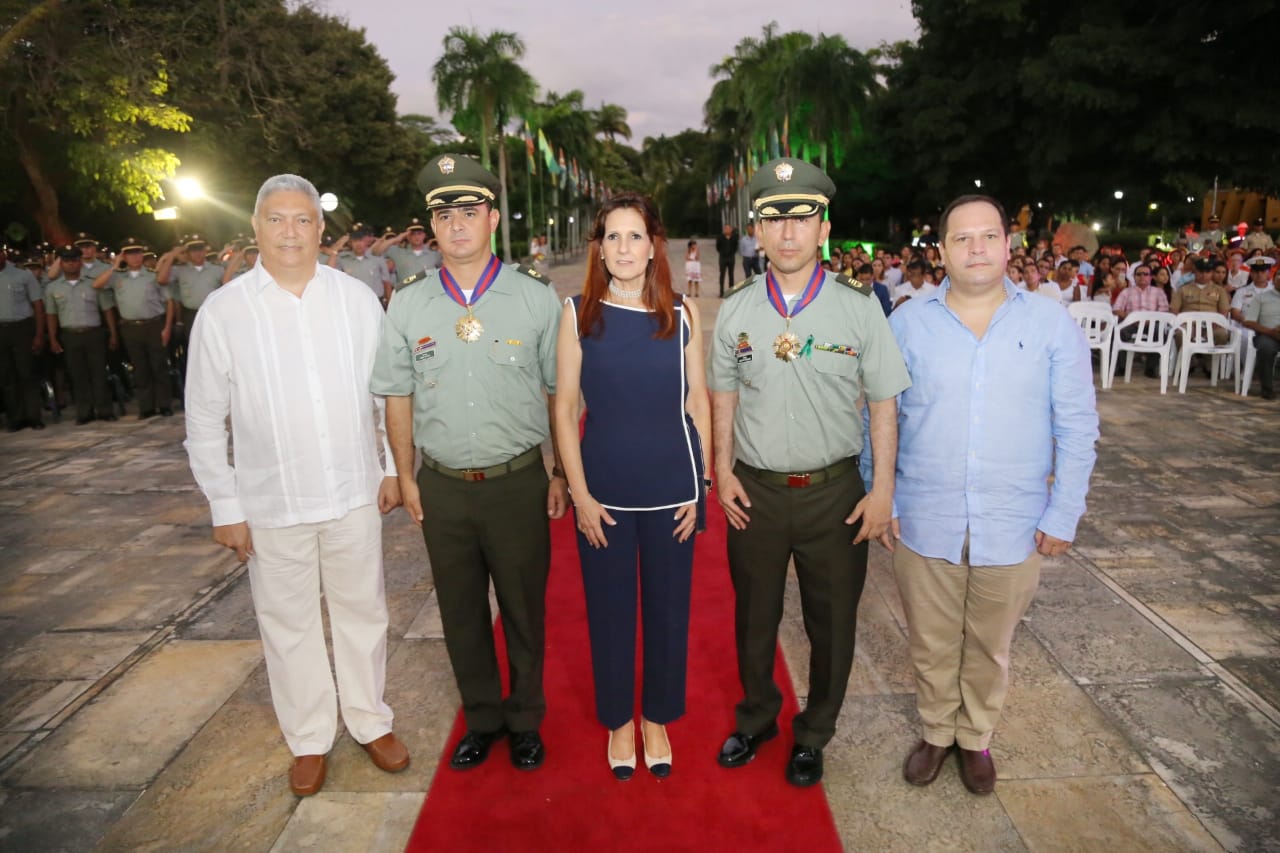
797,481
473,476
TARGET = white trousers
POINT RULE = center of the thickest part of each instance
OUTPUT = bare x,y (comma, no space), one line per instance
289,570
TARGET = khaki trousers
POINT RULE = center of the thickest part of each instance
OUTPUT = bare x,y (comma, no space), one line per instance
960,623
292,567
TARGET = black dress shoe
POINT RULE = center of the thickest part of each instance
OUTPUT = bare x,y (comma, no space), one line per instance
473,749
805,767
740,748
527,751
167,413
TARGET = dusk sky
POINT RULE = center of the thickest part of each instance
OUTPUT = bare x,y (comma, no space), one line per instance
651,58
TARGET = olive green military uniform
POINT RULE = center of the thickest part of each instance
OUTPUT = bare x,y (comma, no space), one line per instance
797,437
409,263
479,418
77,309
142,304
370,269
480,407
193,286
19,290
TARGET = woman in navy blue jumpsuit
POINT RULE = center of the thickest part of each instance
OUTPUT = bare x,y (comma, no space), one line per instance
634,350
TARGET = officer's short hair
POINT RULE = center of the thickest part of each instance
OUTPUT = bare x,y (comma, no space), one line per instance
288,183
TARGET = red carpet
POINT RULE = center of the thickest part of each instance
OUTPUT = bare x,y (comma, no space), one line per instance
573,803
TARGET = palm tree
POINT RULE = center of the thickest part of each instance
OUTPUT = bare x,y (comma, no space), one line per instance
611,122
814,88
480,77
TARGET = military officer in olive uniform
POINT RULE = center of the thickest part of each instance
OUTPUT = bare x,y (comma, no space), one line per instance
467,364
408,260
792,352
196,276
76,314
22,330
1203,295
146,318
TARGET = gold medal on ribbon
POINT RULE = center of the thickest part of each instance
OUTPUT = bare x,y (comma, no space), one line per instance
468,328
786,346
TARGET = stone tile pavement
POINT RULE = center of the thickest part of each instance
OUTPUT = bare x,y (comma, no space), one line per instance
1144,712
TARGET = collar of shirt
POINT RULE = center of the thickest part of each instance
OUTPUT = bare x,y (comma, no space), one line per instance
263,279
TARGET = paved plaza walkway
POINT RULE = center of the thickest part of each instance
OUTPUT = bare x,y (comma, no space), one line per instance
1144,712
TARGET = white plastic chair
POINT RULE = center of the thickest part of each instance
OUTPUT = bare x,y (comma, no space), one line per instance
1096,320
1244,377
1194,335
1153,336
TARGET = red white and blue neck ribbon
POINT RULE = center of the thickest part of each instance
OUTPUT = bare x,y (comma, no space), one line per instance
487,277
810,292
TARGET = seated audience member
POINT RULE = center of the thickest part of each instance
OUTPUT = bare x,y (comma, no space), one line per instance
915,285
1141,297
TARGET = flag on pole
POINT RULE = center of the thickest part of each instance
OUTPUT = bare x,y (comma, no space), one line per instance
528,150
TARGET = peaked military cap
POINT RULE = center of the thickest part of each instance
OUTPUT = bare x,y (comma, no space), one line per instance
195,241
790,187
452,180
359,229
132,244
1204,264
69,253
416,224
1261,263
83,239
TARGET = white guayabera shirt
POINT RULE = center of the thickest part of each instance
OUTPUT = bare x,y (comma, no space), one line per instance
293,374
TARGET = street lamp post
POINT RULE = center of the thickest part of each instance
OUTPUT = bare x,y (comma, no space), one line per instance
1119,194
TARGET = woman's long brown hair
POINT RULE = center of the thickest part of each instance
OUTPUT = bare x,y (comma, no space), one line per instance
657,294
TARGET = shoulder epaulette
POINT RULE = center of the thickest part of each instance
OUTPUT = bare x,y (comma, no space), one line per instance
854,284
410,279
738,288
532,273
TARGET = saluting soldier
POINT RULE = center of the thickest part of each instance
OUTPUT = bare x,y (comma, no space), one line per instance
408,260
793,350
146,317
359,263
76,314
22,330
241,260
467,363
189,267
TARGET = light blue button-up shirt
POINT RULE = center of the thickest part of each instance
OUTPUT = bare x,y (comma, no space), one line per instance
985,424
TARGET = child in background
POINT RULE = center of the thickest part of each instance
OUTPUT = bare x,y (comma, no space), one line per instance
693,269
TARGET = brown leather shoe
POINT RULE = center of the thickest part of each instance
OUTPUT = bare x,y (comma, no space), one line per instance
388,753
306,776
924,762
977,771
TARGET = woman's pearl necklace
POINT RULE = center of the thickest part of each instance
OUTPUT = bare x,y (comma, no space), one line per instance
625,294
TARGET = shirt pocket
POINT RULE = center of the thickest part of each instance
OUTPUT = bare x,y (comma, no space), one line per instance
513,353
838,368
750,371
427,365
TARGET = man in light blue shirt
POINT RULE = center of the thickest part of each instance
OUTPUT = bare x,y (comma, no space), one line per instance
1001,399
